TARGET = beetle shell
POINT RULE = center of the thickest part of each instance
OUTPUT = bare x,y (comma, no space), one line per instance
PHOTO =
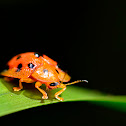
30,65
19,65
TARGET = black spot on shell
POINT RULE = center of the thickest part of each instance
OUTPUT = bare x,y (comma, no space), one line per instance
30,65
18,57
45,70
37,54
57,71
19,67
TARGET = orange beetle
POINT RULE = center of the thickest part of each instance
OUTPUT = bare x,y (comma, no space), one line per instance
31,67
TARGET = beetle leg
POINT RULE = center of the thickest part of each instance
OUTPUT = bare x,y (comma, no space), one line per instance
59,92
37,85
18,88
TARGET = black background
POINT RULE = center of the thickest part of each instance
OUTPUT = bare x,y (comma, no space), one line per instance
86,38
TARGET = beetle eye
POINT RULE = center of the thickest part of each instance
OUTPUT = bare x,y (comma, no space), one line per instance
54,84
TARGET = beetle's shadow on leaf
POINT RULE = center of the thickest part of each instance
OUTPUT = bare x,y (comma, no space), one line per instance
10,84
28,90
33,93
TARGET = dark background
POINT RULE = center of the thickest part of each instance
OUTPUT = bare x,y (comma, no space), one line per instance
86,38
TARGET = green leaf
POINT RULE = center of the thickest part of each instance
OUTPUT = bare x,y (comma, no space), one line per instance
29,97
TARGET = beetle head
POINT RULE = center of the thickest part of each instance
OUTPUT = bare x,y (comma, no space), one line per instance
53,85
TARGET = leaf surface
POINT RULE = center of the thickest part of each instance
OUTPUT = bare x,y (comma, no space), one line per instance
29,97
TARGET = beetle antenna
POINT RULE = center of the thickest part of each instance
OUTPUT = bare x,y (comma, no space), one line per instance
77,82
